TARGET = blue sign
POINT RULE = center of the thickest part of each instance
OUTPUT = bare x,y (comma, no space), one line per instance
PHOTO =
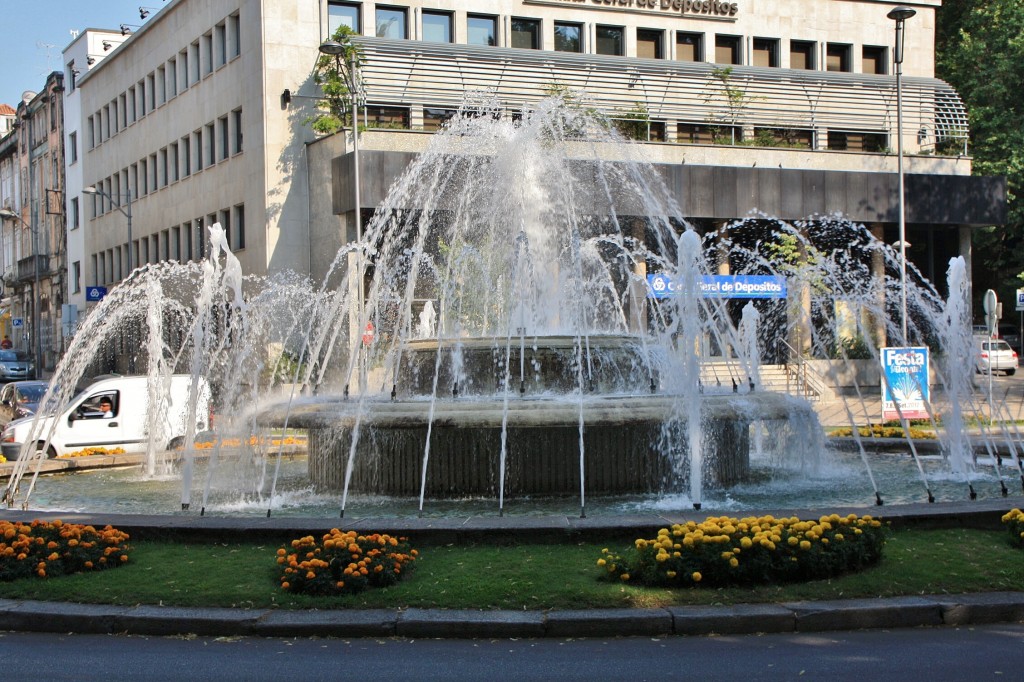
905,382
18,322
95,293
722,286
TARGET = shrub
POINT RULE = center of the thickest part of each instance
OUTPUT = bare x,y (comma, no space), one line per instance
48,549
752,550
1014,520
881,431
343,562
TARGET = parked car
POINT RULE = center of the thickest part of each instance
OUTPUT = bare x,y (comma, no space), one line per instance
15,365
1011,334
994,355
20,399
84,423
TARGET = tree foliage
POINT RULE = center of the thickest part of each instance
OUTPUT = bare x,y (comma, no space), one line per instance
337,76
980,50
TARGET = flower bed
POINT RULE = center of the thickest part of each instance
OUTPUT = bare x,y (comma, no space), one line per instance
343,562
47,549
752,550
882,431
86,452
253,441
1014,520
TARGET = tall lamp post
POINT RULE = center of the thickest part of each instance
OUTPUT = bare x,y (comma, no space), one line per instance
333,48
900,15
126,211
8,214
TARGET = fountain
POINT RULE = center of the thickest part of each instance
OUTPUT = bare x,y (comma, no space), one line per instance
497,338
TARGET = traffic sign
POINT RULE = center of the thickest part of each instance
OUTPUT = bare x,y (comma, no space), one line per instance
991,305
17,322
95,293
1020,299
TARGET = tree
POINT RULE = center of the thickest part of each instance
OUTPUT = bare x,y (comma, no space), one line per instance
980,49
337,76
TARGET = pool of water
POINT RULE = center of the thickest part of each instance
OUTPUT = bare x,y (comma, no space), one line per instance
841,482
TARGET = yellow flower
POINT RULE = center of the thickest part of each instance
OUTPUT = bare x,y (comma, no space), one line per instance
805,544
696,576
734,562
624,576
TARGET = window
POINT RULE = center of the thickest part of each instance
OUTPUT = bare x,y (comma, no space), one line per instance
162,179
186,156
172,78
225,224
525,33
143,178
842,140
391,23
197,138
220,44
837,57
239,227
175,253
237,124
801,55
211,146
766,52
649,44
133,111
234,36
342,14
161,86
704,133
433,118
194,63
873,60
437,27
90,129
75,214
76,277
568,37
173,161
784,137
481,30
223,138
727,49
610,40
73,148
387,117
206,43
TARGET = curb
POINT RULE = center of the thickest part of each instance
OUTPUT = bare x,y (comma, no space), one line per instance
741,619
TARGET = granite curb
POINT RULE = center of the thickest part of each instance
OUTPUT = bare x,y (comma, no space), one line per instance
853,614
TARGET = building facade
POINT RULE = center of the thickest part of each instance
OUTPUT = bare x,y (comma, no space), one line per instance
787,108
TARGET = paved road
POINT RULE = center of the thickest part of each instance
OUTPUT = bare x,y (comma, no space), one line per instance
992,652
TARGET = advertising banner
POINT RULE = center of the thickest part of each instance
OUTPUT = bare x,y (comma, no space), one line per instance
905,382
660,285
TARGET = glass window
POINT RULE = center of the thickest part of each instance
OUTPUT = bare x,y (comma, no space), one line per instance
610,40
481,30
649,44
837,57
526,33
873,60
391,23
437,27
434,118
766,52
342,14
801,54
568,37
727,49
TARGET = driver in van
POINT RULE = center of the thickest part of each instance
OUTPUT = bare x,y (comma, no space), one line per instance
106,407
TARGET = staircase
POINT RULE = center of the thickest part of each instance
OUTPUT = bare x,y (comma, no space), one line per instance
796,379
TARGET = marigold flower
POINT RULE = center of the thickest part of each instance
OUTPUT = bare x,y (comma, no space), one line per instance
697,577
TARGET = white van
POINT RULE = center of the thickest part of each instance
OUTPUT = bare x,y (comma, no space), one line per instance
124,422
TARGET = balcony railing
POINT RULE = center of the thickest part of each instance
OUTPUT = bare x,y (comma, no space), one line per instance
27,267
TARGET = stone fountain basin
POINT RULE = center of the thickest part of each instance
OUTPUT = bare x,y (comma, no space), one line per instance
627,443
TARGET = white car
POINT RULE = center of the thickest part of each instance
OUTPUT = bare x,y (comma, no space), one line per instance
995,355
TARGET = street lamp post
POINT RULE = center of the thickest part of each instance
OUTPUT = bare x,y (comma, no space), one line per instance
335,49
900,15
126,211
8,214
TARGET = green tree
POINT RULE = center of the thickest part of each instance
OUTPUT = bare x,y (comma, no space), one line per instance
337,76
980,50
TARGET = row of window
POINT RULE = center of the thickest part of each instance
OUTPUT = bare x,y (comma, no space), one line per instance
188,241
527,33
204,147
209,52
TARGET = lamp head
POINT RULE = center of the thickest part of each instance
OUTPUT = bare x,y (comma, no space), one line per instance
8,214
332,48
901,13
91,189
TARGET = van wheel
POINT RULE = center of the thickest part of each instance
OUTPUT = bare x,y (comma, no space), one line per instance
51,452
176,443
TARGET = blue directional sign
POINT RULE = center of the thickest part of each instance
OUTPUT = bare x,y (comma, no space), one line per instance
660,285
95,293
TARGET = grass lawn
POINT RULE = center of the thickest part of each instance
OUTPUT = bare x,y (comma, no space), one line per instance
518,577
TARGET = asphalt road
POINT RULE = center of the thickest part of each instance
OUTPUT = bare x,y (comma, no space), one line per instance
991,652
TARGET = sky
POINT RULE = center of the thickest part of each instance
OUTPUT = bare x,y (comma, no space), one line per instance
35,32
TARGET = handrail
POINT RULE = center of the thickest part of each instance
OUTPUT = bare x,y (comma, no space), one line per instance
810,380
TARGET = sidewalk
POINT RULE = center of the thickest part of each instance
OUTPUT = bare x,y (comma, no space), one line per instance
910,611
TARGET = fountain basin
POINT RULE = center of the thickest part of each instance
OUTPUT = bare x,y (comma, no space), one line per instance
630,443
